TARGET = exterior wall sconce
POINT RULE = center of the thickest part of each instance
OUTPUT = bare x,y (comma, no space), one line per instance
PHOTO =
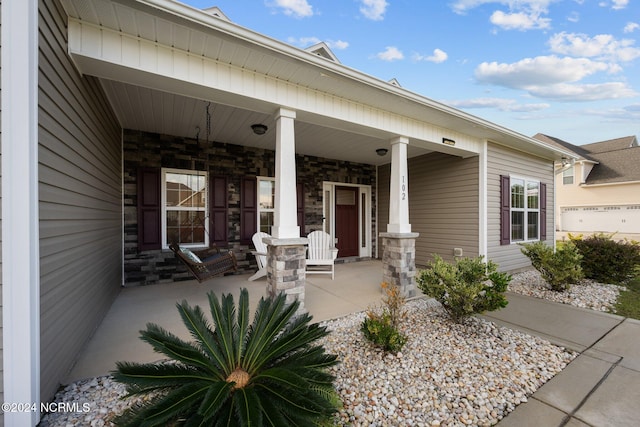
448,141
259,129
382,151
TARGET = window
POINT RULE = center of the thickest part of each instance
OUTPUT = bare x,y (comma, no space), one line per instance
567,176
266,204
525,210
184,207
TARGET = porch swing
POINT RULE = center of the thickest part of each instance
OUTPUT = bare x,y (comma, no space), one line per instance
208,263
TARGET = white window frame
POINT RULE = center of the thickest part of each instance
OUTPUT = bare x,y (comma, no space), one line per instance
259,208
165,208
568,173
526,209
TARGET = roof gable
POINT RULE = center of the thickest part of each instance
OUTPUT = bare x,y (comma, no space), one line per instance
579,151
321,49
611,144
617,159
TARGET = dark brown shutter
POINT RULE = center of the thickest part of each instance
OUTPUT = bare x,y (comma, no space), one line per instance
149,233
218,210
248,209
543,211
505,210
300,197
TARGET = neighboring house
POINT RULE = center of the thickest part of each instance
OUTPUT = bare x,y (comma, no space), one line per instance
600,190
126,122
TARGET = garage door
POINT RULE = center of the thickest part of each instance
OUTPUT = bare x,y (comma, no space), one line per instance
610,219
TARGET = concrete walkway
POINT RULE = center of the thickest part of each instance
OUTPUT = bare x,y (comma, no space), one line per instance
601,387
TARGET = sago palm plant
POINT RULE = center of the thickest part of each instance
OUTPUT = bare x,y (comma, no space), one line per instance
234,373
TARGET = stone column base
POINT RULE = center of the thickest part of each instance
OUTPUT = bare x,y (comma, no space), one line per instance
399,261
286,267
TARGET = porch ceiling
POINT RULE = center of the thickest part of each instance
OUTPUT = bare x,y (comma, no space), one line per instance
151,110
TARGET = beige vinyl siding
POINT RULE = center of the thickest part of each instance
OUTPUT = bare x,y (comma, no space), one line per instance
443,204
80,202
505,161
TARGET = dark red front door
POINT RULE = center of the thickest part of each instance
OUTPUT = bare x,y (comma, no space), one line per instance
347,221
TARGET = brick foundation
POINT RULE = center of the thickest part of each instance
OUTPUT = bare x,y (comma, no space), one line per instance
286,265
399,261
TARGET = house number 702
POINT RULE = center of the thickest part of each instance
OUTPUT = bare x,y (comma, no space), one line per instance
404,189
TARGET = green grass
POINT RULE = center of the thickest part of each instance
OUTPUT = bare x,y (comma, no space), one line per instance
628,304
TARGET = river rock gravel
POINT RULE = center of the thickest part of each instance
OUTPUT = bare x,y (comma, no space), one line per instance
446,375
586,294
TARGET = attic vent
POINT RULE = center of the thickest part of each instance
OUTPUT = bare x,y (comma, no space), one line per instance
215,11
395,82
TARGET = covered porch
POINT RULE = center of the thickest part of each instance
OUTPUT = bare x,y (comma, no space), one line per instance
355,288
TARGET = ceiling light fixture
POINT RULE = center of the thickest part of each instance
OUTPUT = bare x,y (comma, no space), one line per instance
259,129
382,151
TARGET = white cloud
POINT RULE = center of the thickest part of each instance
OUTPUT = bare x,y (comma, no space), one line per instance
631,27
602,46
438,56
551,77
374,9
310,41
573,17
541,70
391,53
337,44
619,4
501,104
584,92
297,8
615,4
519,21
521,15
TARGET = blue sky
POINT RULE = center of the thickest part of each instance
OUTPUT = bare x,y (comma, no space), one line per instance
566,68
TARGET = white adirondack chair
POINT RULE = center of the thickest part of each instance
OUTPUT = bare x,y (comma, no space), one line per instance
261,255
321,254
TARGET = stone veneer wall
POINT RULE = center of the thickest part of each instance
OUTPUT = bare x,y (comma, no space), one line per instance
143,149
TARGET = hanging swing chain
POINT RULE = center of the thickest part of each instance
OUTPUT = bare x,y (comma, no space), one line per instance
208,121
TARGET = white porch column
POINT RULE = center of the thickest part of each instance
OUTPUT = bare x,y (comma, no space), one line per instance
399,251
286,217
399,191
20,238
286,252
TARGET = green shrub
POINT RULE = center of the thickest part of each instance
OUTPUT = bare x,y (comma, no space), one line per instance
382,329
559,269
466,287
268,372
607,261
378,329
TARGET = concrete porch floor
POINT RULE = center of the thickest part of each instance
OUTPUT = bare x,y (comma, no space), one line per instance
355,288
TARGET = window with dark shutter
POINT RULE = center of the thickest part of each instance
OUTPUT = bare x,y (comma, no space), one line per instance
248,209
505,210
543,211
300,197
218,210
149,231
